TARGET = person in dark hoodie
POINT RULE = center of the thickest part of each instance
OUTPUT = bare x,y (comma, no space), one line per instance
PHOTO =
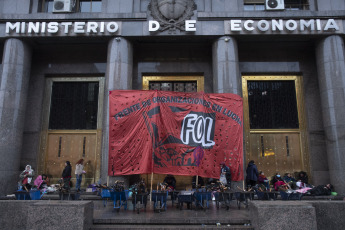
303,177
252,174
321,190
66,175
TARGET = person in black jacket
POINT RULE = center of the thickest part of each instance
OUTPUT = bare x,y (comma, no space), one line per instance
252,174
321,190
170,181
66,175
303,177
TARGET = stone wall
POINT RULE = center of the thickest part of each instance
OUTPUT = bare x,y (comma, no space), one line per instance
300,215
282,215
21,214
329,215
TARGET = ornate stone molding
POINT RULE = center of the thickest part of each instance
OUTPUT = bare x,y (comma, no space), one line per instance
171,14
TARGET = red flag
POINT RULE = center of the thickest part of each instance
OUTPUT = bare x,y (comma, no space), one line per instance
175,133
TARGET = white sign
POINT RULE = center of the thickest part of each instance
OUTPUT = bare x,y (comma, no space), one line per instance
61,27
190,25
275,26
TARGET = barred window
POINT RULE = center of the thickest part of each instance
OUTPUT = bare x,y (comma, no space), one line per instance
272,105
74,105
176,86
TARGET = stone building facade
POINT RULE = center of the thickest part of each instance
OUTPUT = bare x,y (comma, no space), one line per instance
61,57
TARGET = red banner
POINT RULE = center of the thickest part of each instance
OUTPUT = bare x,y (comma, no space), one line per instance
175,133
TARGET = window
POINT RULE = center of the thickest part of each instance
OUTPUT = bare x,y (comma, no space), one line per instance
296,4
89,6
176,86
82,6
272,105
47,6
74,105
254,5
259,5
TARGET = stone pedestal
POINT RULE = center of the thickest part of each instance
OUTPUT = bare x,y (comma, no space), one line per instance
60,215
118,77
331,75
13,94
329,214
33,214
283,215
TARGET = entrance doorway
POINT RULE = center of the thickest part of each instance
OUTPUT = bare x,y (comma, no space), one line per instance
71,127
274,121
186,84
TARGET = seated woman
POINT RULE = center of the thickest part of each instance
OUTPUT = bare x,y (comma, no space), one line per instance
303,177
170,181
42,181
275,178
288,178
262,180
280,184
27,178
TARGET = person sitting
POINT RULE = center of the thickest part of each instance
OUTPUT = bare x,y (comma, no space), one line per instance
27,178
262,180
279,184
170,181
321,190
288,178
303,177
275,178
200,182
42,181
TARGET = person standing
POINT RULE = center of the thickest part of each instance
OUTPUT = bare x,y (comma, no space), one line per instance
225,175
66,175
79,170
252,174
27,177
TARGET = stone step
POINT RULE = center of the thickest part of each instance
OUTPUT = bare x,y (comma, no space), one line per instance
172,221
172,227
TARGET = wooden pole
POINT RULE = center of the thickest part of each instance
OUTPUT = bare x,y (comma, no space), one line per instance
151,187
107,181
197,180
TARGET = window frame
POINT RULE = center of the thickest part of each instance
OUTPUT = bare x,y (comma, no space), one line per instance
76,9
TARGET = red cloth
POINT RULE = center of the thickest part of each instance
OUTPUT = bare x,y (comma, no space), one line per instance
278,184
175,133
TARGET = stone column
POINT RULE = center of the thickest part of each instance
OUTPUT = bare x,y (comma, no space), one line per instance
331,74
118,77
226,73
13,93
